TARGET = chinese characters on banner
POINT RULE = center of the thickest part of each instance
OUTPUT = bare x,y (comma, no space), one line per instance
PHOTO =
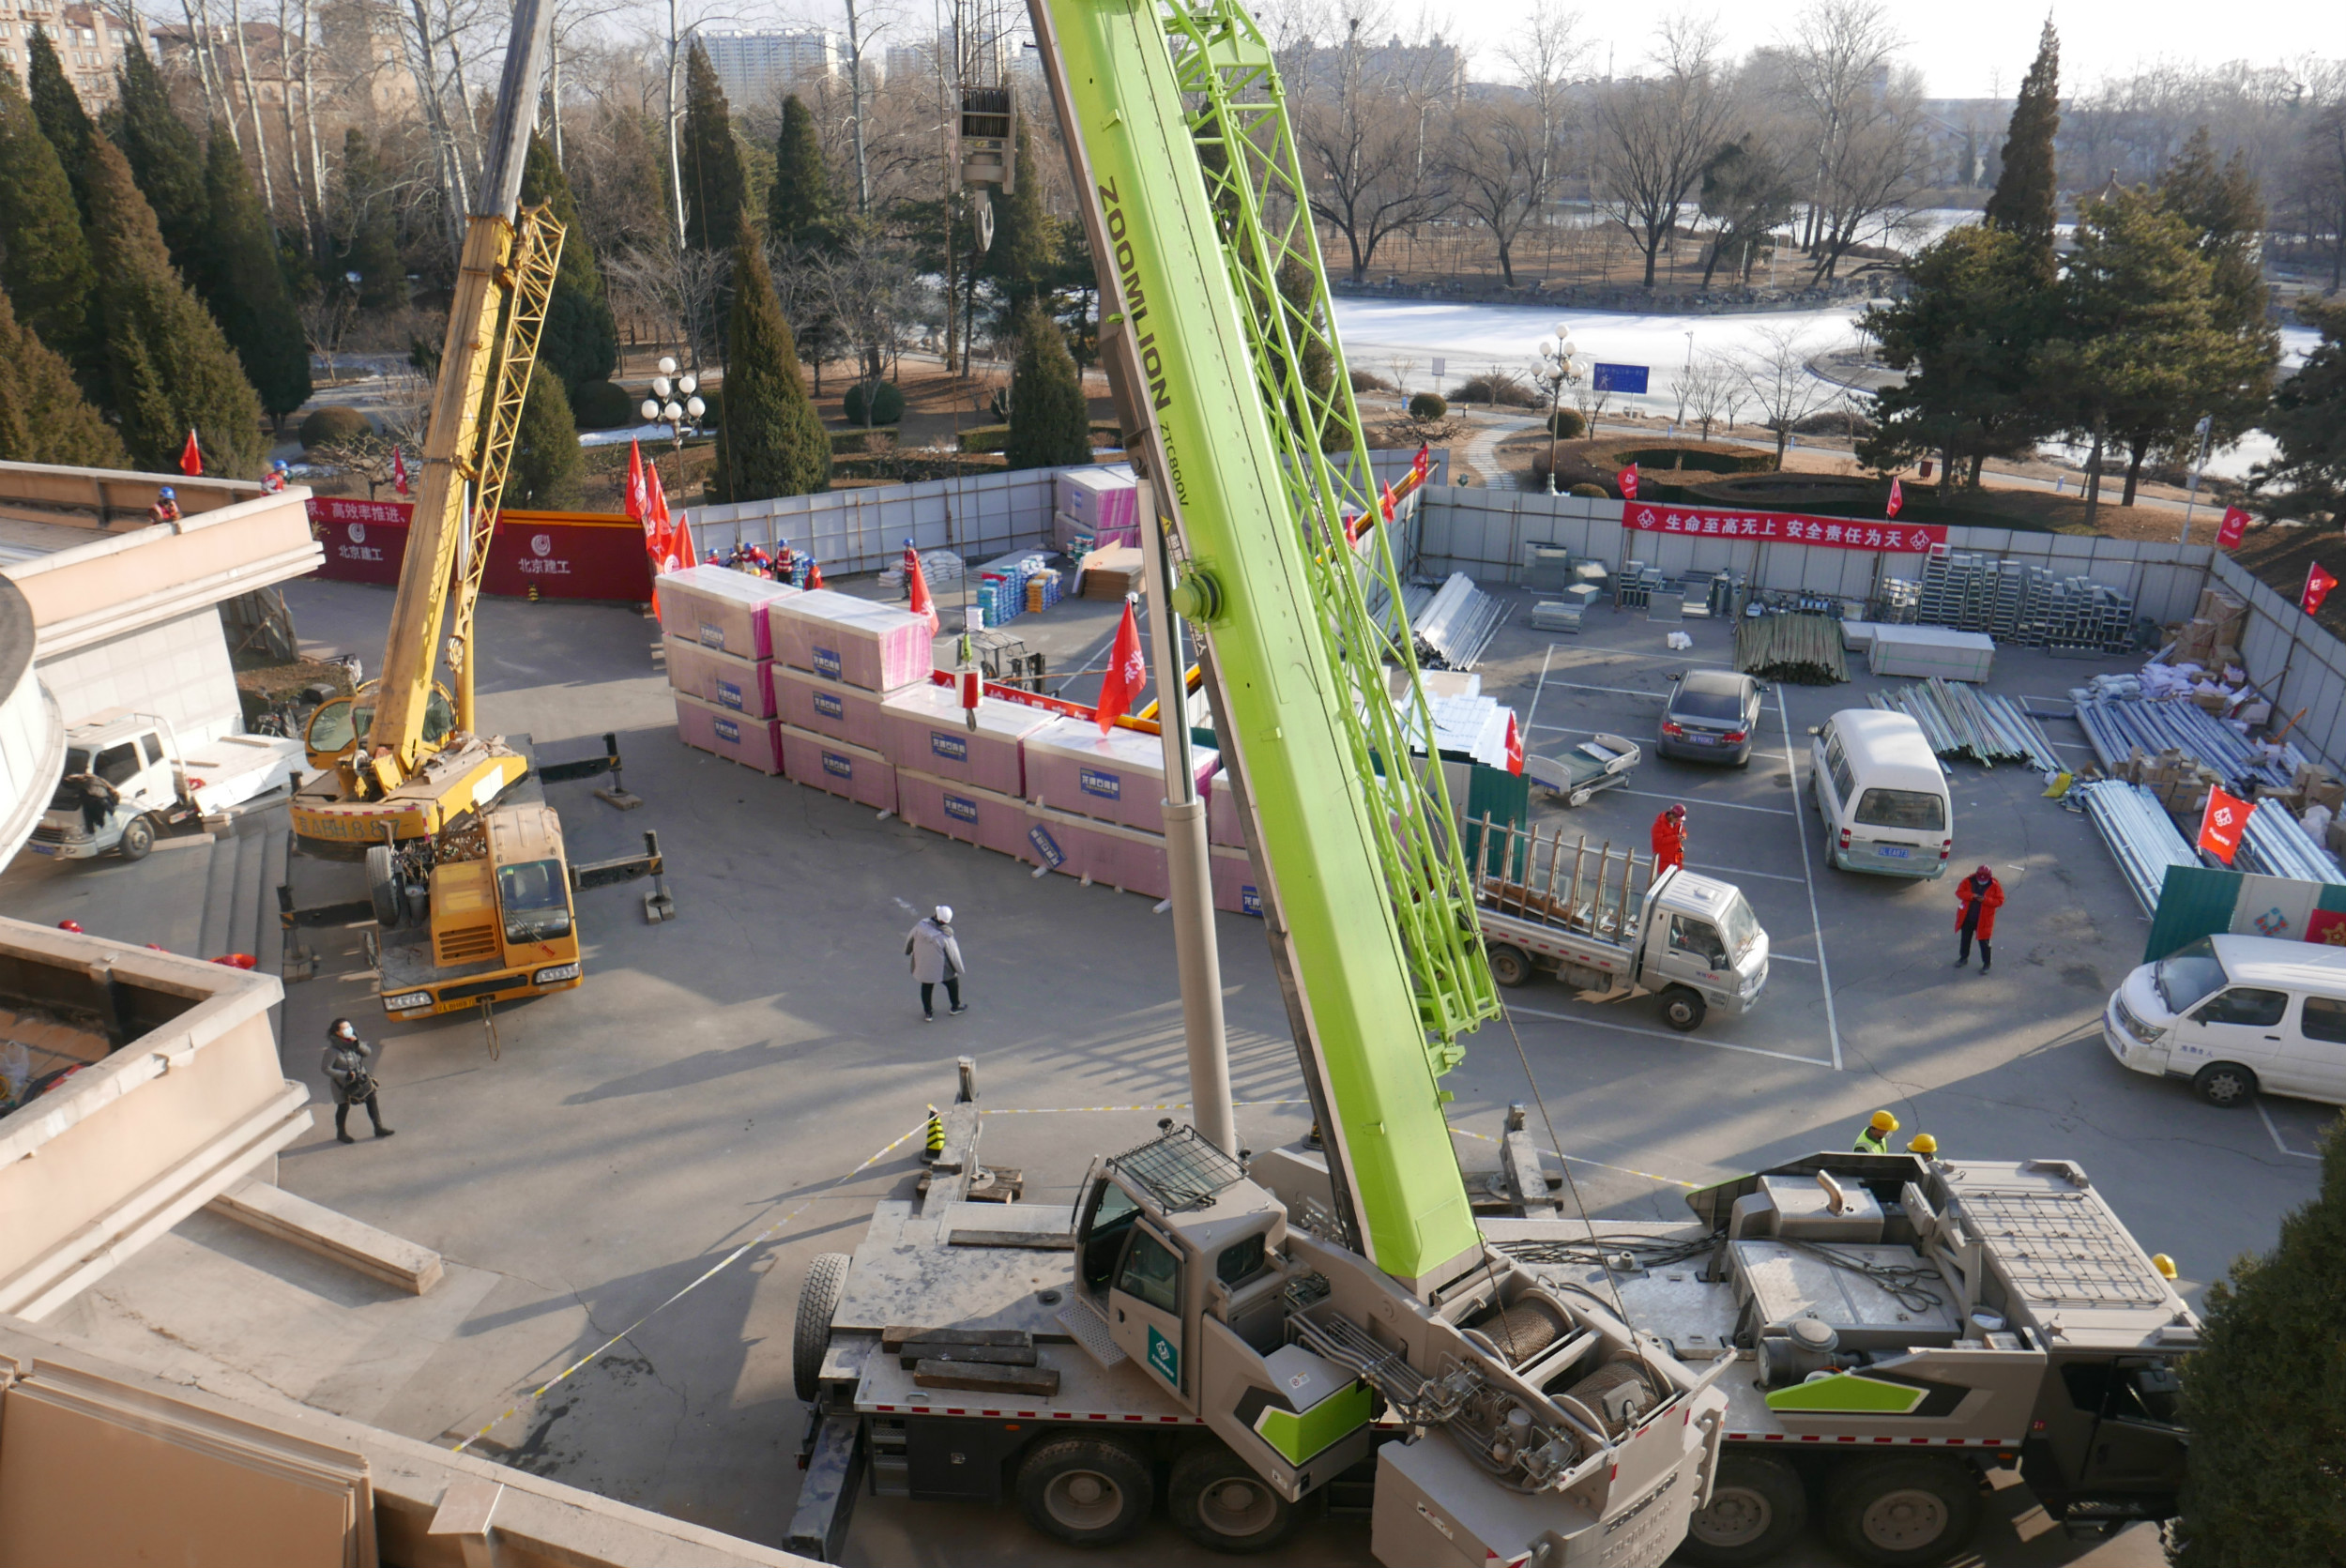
1793,527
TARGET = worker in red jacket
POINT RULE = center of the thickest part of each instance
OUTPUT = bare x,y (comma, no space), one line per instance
1977,898
1669,839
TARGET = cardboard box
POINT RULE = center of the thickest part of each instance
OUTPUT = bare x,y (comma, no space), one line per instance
719,679
923,729
835,765
720,608
852,640
1113,573
809,702
751,742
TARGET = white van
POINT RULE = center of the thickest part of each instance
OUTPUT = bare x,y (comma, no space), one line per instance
1881,794
2233,1014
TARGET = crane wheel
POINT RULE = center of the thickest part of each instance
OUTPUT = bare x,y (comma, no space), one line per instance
1223,1505
818,1304
1757,1508
1085,1491
383,887
1903,1513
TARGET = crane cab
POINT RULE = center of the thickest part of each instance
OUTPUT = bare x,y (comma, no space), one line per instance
497,927
343,811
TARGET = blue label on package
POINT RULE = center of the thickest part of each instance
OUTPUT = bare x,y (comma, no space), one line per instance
837,766
967,810
952,748
827,662
1250,901
1107,786
728,732
729,694
712,635
830,706
1046,847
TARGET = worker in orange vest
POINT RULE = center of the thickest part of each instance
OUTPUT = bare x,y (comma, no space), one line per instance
1977,898
1669,839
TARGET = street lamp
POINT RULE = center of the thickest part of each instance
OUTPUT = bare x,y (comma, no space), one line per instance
1555,369
664,406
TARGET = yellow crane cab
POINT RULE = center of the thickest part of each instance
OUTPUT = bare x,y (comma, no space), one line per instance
498,926
341,811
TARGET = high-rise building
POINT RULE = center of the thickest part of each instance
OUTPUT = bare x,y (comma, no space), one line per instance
756,69
90,43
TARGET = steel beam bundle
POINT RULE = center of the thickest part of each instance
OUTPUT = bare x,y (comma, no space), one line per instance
2277,844
1458,625
2116,726
1805,649
1959,720
2140,834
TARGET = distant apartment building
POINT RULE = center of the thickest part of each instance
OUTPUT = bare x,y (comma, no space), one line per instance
757,69
91,44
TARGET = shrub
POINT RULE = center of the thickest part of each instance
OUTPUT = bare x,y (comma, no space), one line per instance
874,402
1834,421
1369,381
1502,388
1566,424
603,405
335,423
1428,407
986,438
1593,492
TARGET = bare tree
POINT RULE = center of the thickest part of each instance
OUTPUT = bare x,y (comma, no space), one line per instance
2318,182
1505,153
1365,134
1830,71
677,286
1712,391
1775,375
1879,166
1655,132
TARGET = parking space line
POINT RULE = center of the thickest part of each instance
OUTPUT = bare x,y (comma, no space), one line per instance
1537,689
1790,958
1730,805
1816,922
2276,1134
1667,1034
1739,871
1617,691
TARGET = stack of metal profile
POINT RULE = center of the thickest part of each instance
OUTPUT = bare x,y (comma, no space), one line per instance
2140,835
2085,617
1900,604
2277,844
1634,589
1415,596
1803,650
2117,725
1456,625
1958,720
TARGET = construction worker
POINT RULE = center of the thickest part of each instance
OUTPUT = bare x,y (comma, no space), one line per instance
1977,898
935,955
166,507
1669,839
274,480
345,1066
1875,1139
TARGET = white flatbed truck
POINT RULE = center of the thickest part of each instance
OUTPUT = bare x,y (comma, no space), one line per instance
161,784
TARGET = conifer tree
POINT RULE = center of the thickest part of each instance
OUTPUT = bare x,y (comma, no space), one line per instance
369,239
2261,1398
58,108
167,160
1025,236
2027,199
799,211
44,256
714,185
2307,417
43,416
238,275
546,460
580,342
169,367
1050,425
769,440
2224,209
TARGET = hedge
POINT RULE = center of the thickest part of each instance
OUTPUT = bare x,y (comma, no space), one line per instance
334,423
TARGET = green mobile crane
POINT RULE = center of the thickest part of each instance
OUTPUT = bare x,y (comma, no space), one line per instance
1327,1317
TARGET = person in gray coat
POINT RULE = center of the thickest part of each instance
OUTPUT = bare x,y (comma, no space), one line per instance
935,956
345,1067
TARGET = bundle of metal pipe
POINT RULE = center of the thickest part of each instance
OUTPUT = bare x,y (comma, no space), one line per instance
1457,627
2277,845
1960,721
2116,726
2140,835
1805,649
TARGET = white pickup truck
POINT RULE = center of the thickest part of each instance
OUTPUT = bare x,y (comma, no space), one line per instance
160,783
1578,911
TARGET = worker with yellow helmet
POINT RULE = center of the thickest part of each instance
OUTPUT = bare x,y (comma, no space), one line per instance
1924,1145
1875,1138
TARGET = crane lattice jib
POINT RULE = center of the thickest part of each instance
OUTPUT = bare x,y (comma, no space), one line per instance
1294,666
1255,178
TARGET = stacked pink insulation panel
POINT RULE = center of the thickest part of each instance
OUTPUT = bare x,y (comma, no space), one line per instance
751,742
717,643
837,659
928,732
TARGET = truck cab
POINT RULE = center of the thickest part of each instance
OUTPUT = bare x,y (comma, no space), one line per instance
161,783
494,926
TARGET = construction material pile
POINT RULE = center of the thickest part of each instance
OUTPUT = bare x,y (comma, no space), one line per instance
1960,720
2016,602
1458,625
2277,844
1803,650
2118,726
2143,838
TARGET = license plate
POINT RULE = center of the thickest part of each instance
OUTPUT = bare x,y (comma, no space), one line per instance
1895,851
1700,739
42,849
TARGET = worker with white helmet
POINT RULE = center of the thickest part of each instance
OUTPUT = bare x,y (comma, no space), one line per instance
935,956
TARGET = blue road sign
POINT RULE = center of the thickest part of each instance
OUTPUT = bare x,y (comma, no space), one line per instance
1618,378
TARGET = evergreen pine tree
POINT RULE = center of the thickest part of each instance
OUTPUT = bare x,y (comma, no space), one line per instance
2261,1398
714,185
2224,208
44,256
546,460
369,239
58,109
1050,425
239,276
168,366
580,342
2307,417
167,162
43,416
800,209
2026,201
769,440
1026,243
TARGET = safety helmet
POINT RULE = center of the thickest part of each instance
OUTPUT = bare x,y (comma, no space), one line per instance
1921,1143
2164,1264
944,914
74,926
1983,874
277,464
1884,1122
167,493
1677,809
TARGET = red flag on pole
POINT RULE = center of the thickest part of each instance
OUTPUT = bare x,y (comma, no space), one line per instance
634,497
1424,462
2222,824
2235,527
1897,498
917,588
2318,585
1627,480
1127,673
399,469
1386,503
192,458
1514,746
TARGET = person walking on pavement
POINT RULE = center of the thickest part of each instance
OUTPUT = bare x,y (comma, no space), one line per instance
1977,898
1669,839
1875,1136
935,956
345,1065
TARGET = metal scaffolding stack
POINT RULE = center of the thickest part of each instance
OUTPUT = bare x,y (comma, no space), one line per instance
2140,835
2277,845
2118,725
2086,616
1962,720
1900,604
1634,589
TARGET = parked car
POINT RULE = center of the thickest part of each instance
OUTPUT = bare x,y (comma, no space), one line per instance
1712,716
2231,1016
1881,794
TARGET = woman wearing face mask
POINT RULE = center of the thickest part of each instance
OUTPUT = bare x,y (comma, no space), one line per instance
1977,898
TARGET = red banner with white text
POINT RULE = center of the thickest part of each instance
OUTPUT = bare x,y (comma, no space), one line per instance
563,555
1841,533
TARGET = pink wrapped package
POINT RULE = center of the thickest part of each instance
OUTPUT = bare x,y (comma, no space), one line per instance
733,735
964,811
719,679
1224,826
720,608
1123,858
1097,497
835,765
1118,776
926,732
1234,890
852,640
809,702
